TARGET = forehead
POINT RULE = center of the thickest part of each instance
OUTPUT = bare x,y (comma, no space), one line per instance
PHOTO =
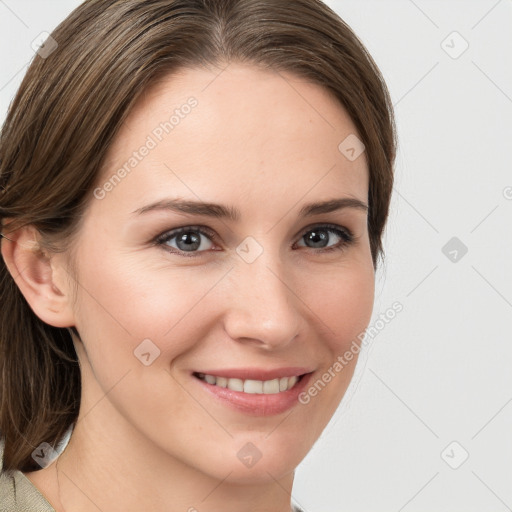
240,131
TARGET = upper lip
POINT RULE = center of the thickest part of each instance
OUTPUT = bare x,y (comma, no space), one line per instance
257,373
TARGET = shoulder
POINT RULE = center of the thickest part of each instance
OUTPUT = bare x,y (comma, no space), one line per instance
17,494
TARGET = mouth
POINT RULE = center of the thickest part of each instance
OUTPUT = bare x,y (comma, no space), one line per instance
252,391
252,386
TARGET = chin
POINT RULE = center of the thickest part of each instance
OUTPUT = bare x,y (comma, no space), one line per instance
264,457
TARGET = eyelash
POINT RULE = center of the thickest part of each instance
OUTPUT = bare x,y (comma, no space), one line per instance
344,233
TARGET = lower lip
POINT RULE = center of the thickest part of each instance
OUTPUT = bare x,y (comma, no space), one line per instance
257,404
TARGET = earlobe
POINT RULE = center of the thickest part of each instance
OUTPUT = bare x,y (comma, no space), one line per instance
35,275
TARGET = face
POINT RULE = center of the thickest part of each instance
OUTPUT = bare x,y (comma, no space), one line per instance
204,329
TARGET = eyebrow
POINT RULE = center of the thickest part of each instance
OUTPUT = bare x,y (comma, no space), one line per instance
220,211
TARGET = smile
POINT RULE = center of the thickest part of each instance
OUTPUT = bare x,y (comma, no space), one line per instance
254,391
265,387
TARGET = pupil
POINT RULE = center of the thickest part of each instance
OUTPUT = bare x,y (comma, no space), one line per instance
317,237
190,240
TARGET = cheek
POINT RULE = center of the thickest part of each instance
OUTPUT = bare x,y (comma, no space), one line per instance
343,302
135,321
128,308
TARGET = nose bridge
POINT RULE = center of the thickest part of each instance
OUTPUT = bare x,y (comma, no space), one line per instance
264,308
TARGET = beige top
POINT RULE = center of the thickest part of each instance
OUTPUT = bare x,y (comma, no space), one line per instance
18,493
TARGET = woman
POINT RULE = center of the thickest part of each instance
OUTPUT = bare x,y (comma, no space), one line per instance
194,196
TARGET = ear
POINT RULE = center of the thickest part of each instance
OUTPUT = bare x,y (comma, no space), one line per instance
36,274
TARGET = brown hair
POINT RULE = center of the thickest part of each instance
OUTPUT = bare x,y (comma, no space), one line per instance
67,112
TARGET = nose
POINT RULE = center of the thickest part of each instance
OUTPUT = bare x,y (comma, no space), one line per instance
262,305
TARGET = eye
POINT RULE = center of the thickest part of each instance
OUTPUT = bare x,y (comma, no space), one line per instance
188,239
320,235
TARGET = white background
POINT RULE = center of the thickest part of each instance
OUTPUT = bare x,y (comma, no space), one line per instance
440,371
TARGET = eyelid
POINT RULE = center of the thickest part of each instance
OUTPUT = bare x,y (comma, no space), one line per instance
335,227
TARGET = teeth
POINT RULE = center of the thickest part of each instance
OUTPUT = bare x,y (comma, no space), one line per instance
271,386
252,386
210,379
221,381
235,384
292,382
265,387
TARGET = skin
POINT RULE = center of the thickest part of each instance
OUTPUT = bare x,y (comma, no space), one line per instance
147,437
